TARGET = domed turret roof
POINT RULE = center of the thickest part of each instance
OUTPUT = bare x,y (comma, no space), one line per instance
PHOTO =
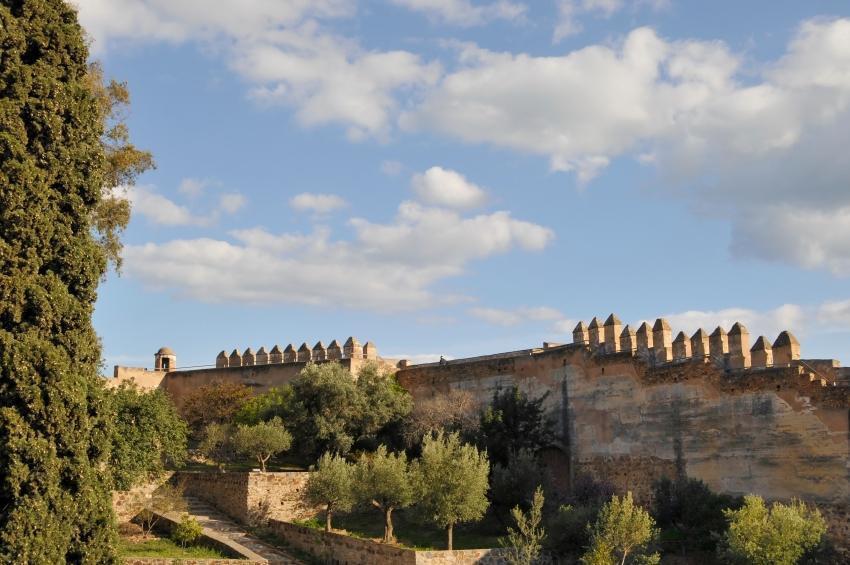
165,351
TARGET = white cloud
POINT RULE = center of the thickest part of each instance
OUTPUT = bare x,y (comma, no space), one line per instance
444,187
571,11
387,267
281,49
769,323
160,210
464,12
317,203
194,187
515,317
231,202
835,314
765,152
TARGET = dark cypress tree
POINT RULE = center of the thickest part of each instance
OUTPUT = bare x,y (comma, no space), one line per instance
54,423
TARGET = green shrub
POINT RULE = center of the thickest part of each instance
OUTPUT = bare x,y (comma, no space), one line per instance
621,534
524,542
514,484
188,531
568,529
779,535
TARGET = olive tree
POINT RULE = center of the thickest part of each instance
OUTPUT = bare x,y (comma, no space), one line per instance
622,531
524,542
452,477
383,479
331,484
261,441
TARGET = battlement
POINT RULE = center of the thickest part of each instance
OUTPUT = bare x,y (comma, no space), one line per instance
729,350
351,349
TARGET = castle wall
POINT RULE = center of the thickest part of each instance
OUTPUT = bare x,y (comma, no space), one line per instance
771,432
144,378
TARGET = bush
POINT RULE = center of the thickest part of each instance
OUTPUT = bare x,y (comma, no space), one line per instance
779,535
188,531
690,508
569,532
262,440
514,422
215,403
515,484
621,533
525,542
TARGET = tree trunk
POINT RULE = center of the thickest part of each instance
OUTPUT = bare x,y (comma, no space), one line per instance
388,526
328,513
449,532
623,562
262,463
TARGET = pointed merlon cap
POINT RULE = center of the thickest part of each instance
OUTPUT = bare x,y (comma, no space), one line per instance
235,353
699,334
761,344
261,350
334,344
644,328
276,349
738,329
627,330
290,348
352,342
580,327
304,347
661,324
785,339
319,345
681,337
718,331
221,355
594,324
248,351
613,320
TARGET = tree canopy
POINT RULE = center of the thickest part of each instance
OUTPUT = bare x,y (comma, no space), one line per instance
262,440
513,422
383,479
55,166
331,484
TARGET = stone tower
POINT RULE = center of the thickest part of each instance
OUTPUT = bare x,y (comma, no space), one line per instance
165,359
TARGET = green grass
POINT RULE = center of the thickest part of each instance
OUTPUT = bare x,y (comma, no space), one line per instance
162,547
411,533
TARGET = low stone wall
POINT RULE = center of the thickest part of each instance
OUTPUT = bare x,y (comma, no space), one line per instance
184,561
346,550
128,503
629,474
251,496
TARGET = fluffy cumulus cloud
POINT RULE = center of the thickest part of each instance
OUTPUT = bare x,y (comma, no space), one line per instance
281,48
387,267
443,187
765,152
768,322
559,323
161,210
465,12
317,203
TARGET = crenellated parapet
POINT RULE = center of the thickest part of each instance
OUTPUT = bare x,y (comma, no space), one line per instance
352,349
655,343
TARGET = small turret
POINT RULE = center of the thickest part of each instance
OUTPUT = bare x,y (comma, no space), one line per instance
681,347
334,351
352,349
221,360
165,359
718,344
370,351
580,333
644,339
305,354
739,347
699,345
612,329
762,353
320,353
662,337
595,334
786,349
235,359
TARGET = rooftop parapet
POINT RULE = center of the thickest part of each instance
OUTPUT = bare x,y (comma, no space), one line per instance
580,334
762,353
786,349
221,360
700,347
262,357
681,347
235,359
739,347
611,332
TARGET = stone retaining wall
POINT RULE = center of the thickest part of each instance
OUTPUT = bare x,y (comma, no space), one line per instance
346,550
184,561
251,496
128,503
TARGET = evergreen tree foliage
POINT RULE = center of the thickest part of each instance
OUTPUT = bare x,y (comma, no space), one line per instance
55,241
514,422
452,477
383,479
148,435
262,440
331,484
779,535
524,541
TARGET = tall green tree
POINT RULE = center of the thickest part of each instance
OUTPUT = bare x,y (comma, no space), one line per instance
262,440
383,480
524,543
55,242
331,484
148,435
452,477
514,422
621,534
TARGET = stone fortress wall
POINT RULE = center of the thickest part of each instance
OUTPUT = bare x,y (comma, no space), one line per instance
632,406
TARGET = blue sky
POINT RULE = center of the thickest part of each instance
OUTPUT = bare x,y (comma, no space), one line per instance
460,178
